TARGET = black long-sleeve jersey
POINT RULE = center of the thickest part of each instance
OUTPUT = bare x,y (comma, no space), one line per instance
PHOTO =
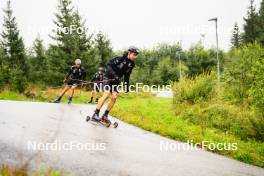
120,66
98,77
76,73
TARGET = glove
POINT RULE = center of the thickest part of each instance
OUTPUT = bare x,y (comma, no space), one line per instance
117,78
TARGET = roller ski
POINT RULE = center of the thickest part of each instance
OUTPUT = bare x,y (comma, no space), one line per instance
103,121
91,101
57,100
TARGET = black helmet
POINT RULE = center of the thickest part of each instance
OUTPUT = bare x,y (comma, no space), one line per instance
133,49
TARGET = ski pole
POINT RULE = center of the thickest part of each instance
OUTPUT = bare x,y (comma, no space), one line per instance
84,83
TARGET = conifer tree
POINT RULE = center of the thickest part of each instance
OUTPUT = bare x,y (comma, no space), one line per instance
236,37
103,46
14,50
251,32
71,40
261,23
38,62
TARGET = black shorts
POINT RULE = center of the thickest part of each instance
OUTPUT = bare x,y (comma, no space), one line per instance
73,82
110,85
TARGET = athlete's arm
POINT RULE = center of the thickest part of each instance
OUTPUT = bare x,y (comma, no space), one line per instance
69,73
126,80
83,74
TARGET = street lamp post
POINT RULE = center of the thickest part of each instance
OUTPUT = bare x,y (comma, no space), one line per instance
179,55
217,48
202,39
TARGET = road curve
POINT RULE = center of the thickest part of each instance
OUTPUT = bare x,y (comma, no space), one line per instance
124,151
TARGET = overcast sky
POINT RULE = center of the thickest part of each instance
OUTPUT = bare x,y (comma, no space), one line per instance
143,23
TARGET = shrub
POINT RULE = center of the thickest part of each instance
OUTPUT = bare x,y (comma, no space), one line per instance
239,121
201,87
242,70
257,89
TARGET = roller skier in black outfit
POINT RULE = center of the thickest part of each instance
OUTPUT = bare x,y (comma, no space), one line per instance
73,79
115,69
98,79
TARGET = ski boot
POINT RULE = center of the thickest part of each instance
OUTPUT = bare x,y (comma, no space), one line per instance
57,100
90,102
96,117
70,100
106,120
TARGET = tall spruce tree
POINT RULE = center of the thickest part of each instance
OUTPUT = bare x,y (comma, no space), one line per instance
2,55
251,31
14,50
84,49
38,62
261,23
71,40
3,73
236,37
103,46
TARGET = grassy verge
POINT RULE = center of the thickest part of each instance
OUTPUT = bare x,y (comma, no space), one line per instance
37,95
20,171
159,116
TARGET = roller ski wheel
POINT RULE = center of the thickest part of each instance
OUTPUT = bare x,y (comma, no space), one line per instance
107,122
115,125
88,118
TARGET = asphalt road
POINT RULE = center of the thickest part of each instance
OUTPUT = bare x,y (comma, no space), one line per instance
97,150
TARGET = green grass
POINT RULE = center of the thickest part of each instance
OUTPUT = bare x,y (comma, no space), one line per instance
6,170
45,95
158,115
7,95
